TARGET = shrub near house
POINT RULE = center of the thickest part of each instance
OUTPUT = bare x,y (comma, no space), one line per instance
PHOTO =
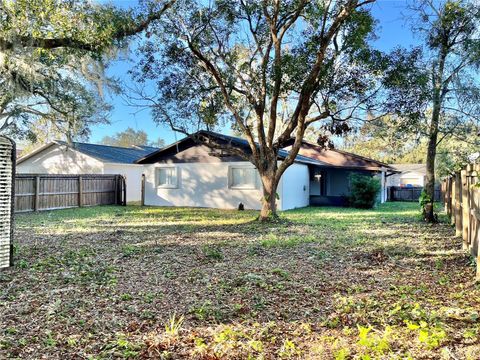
364,191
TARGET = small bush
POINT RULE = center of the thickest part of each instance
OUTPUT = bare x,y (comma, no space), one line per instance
212,252
363,191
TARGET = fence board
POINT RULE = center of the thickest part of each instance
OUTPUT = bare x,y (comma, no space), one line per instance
462,204
36,192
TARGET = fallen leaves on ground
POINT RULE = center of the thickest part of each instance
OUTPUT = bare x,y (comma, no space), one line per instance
322,283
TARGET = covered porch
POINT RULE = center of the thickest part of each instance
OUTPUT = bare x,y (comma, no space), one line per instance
330,186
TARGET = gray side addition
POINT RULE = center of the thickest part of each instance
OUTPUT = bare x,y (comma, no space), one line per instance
7,151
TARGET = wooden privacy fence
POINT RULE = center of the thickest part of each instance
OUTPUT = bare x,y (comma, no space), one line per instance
462,203
398,193
35,192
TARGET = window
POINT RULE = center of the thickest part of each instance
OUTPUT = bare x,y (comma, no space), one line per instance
167,177
243,177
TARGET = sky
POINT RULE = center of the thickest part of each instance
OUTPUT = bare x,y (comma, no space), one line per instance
392,31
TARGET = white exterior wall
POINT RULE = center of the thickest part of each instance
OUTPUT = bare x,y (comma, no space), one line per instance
206,185
133,178
294,187
60,160
200,185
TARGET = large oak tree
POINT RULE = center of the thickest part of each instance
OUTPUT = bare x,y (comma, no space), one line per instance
268,69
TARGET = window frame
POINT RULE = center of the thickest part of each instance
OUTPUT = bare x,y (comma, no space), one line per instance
244,187
166,186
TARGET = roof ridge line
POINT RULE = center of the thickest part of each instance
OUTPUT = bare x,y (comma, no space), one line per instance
112,146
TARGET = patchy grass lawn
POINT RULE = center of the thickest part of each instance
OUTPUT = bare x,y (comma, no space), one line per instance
323,283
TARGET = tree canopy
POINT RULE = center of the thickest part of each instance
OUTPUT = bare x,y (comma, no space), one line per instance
52,59
385,140
130,137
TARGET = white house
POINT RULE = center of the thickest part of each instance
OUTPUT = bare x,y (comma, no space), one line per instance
408,175
187,173
58,157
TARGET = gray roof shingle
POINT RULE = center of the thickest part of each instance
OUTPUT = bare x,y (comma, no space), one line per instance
282,153
113,154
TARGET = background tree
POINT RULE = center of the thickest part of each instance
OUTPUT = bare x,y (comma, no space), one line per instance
453,154
389,143
130,137
52,59
158,143
383,139
442,77
269,69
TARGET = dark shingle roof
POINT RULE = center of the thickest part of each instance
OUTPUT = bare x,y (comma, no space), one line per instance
340,158
113,154
282,153
304,158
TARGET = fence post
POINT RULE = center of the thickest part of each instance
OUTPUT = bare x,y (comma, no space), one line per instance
118,198
475,208
443,194
143,189
449,194
453,200
124,189
465,209
80,191
458,205
36,197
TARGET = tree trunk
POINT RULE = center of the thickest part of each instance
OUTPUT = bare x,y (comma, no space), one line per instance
438,95
430,165
269,200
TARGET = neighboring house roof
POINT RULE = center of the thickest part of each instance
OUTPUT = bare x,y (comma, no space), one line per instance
105,153
340,158
309,154
410,168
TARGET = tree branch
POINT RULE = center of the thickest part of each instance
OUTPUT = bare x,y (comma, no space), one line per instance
54,43
218,79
